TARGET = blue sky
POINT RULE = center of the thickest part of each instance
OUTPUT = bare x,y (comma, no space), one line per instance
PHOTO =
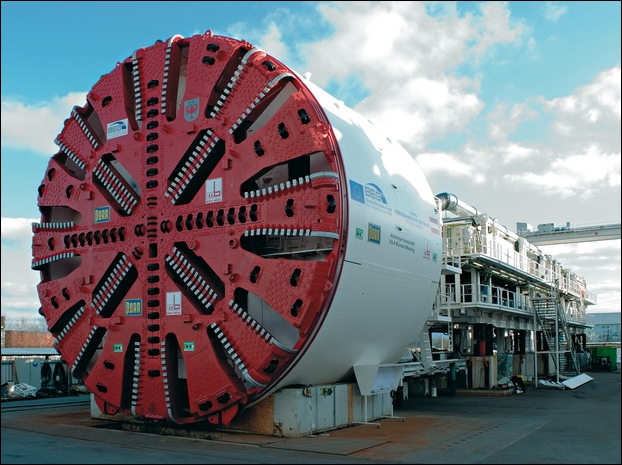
512,106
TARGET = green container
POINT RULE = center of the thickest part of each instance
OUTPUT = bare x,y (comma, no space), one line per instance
598,353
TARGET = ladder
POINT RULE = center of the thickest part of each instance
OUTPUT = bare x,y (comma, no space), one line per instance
551,318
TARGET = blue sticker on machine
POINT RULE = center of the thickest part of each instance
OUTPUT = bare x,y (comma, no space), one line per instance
117,129
133,307
373,192
373,233
357,191
101,215
191,109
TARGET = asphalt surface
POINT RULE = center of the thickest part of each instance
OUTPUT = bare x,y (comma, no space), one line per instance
544,425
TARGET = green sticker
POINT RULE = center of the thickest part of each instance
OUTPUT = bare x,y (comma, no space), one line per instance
359,233
188,346
117,348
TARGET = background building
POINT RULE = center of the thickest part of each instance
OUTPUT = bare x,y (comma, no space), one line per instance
605,328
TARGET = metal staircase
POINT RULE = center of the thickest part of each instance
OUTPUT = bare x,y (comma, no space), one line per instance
421,351
425,355
551,318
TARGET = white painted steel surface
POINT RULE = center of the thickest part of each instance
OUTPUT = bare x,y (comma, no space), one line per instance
392,260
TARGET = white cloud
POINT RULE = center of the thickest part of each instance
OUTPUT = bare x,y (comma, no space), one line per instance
553,11
17,228
599,263
495,27
592,113
407,57
580,158
515,152
35,126
19,281
421,109
503,120
450,165
580,174
273,40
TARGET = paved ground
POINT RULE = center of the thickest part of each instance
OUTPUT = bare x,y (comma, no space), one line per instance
544,425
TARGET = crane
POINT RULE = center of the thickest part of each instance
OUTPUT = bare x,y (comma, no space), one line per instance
549,233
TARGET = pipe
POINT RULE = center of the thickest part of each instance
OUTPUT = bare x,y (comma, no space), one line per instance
453,204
